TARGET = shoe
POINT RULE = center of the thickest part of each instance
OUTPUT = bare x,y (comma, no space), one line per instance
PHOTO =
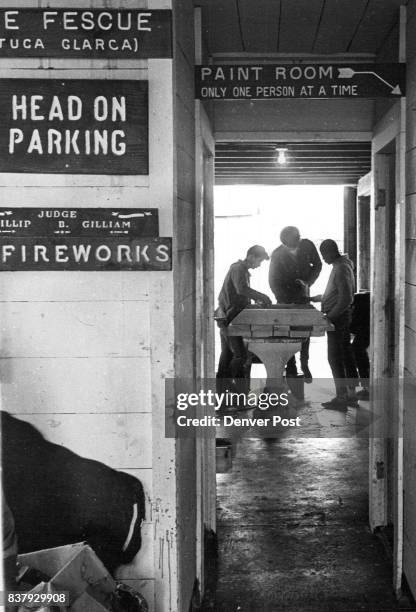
337,403
364,395
307,375
292,375
353,401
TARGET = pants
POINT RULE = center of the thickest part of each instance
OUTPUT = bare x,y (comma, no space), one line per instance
233,359
291,368
360,345
340,354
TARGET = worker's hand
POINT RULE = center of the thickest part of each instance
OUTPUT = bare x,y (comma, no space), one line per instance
316,298
302,284
264,301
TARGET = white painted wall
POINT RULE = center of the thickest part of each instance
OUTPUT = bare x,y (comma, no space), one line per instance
84,355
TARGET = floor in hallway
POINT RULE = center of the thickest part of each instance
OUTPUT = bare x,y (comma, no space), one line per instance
293,533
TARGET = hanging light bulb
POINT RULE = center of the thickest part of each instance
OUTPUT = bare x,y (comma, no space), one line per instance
281,157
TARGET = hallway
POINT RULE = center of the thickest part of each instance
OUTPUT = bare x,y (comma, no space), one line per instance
293,530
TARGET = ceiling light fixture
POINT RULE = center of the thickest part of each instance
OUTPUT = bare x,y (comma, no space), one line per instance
281,157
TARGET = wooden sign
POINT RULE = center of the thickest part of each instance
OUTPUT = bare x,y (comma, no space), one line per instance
77,253
74,126
85,33
94,222
277,81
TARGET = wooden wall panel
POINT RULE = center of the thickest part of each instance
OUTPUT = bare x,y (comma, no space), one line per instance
411,261
186,182
57,286
91,196
186,229
118,440
184,292
263,16
82,329
293,116
410,304
409,459
410,352
410,493
411,26
94,348
411,174
300,22
86,385
411,216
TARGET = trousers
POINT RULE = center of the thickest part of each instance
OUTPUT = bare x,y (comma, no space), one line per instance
233,366
340,354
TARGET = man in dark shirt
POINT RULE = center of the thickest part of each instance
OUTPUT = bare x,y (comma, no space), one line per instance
234,296
294,267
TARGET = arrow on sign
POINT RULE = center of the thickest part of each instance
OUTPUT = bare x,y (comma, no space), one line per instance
348,73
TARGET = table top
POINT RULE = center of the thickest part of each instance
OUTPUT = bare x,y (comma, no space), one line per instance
280,320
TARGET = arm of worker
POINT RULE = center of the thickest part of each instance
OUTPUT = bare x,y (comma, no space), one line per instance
345,296
243,288
257,296
316,298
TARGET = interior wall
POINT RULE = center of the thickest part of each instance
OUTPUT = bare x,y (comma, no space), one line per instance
317,118
410,317
388,53
185,287
363,243
84,354
350,224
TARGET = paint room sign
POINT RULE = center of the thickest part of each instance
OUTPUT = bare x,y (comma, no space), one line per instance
320,81
91,33
101,239
74,126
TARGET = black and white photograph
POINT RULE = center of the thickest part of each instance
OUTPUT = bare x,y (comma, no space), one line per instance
208,305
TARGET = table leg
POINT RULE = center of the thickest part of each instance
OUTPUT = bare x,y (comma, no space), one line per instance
275,354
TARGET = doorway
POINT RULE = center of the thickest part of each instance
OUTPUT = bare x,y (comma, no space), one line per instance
284,492
292,514
255,214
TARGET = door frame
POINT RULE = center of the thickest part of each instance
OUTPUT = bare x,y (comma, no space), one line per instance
388,140
204,329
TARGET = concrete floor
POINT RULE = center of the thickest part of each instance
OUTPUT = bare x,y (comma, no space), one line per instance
293,533
292,526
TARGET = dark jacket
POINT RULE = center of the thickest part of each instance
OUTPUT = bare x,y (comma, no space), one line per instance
360,313
286,267
58,497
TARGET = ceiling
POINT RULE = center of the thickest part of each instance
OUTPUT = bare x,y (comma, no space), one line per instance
234,30
310,163
297,26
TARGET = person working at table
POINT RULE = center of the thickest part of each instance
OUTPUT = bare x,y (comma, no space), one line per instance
336,304
235,295
294,267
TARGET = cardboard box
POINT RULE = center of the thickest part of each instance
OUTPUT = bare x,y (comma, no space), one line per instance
75,569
